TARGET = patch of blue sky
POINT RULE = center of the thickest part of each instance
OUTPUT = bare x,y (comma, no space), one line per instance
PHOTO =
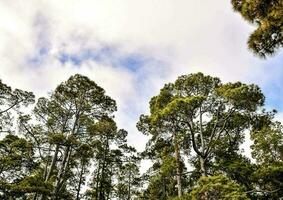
274,96
37,59
74,59
97,55
273,89
133,62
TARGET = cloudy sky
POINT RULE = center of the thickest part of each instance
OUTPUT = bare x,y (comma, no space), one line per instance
130,48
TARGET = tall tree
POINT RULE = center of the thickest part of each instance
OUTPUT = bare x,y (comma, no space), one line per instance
108,158
128,175
71,137
267,15
63,128
164,128
204,113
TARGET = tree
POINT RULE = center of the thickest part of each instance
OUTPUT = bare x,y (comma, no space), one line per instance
165,128
267,15
128,175
204,113
206,110
62,129
72,136
108,159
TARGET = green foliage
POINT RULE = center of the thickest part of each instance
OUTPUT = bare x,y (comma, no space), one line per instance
217,187
268,143
16,166
229,112
176,105
267,149
202,112
242,96
267,15
71,137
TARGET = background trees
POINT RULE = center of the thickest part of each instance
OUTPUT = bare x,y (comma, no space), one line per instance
69,146
11,101
267,150
16,154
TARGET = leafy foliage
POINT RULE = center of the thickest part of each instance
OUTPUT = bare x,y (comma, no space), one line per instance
267,15
216,187
69,146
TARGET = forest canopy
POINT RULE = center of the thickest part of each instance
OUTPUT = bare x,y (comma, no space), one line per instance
69,146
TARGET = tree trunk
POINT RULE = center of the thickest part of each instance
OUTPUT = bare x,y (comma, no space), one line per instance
80,183
178,170
54,160
101,189
202,166
201,157
97,180
52,166
61,172
129,186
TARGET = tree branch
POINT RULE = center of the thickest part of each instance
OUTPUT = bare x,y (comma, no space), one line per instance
193,140
220,131
263,191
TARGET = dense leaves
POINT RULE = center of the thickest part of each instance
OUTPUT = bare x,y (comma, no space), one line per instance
267,16
69,146
216,187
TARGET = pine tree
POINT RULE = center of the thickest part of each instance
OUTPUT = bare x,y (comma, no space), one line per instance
267,15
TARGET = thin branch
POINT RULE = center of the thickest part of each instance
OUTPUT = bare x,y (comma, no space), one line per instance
36,140
17,102
263,191
220,131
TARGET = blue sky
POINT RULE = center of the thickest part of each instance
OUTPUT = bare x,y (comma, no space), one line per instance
131,48
273,88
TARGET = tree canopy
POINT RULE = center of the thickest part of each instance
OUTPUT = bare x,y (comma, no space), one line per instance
70,147
200,119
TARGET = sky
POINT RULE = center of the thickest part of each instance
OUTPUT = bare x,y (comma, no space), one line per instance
131,48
